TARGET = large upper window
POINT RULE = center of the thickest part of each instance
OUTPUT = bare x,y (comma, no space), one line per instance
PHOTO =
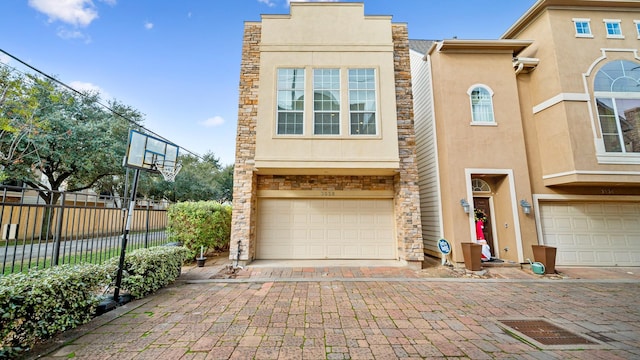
481,105
362,101
583,29
617,93
637,23
326,101
290,102
613,28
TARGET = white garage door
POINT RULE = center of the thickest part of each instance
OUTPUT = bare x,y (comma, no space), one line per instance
325,229
593,233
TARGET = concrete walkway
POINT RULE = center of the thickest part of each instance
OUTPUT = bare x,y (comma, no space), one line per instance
365,312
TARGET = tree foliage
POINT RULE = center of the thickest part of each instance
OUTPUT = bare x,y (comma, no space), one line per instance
78,143
19,122
201,179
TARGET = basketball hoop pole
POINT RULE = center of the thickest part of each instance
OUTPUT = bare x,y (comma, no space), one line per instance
127,227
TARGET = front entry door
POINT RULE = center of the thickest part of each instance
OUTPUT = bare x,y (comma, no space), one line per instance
483,204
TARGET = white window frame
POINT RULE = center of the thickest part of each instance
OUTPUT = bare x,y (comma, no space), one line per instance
637,23
619,27
375,98
575,26
623,156
338,100
474,121
291,111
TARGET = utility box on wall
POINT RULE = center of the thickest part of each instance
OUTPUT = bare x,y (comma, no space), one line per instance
9,231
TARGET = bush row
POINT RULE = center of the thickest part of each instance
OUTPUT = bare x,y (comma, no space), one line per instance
41,303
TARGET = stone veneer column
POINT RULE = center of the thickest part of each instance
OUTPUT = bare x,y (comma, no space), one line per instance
243,222
407,196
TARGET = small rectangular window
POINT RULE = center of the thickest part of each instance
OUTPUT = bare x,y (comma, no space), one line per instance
290,102
583,27
362,101
326,102
613,29
637,22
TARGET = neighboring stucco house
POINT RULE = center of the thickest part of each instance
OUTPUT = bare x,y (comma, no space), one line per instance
325,155
546,116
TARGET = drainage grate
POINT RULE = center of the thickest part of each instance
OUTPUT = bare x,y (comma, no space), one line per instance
546,333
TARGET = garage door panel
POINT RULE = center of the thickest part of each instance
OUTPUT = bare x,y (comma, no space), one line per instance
321,229
591,233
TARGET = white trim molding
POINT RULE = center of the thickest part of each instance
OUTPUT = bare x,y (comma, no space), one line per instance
514,204
582,97
589,172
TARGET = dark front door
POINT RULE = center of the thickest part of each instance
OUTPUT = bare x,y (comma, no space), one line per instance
483,204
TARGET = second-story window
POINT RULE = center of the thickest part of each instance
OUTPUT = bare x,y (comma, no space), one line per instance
618,101
290,102
613,28
637,23
362,101
583,29
481,105
326,101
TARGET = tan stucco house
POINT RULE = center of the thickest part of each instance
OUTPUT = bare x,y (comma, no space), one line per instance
325,155
539,129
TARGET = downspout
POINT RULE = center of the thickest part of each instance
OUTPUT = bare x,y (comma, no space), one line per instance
520,68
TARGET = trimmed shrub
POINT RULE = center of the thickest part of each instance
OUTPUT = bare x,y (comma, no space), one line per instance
147,270
204,224
42,303
37,305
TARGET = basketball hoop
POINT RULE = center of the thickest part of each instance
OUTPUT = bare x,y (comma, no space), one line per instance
168,172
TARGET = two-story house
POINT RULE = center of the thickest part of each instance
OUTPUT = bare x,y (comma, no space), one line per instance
540,130
325,154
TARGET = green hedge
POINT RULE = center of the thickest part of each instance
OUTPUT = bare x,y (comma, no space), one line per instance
37,305
41,303
199,224
147,270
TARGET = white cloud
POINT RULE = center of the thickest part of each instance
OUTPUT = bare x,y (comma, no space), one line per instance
74,12
148,25
89,87
65,33
269,3
4,59
213,122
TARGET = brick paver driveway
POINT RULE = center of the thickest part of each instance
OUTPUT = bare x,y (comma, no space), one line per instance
358,319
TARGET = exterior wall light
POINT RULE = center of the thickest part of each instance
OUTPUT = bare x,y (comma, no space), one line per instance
465,206
526,207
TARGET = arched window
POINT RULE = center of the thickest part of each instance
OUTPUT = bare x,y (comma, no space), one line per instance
481,105
617,93
479,185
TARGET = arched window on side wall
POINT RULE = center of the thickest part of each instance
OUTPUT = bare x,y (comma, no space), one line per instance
617,95
481,104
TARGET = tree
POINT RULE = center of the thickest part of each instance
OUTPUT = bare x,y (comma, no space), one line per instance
18,120
201,179
81,143
72,141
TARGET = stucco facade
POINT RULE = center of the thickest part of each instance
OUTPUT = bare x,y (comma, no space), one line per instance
544,144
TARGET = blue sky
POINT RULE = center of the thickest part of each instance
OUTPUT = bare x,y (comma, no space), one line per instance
178,61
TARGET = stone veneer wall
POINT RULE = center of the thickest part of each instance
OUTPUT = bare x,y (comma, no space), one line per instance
243,222
407,196
324,182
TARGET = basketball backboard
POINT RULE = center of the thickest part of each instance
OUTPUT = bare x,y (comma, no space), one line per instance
150,153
